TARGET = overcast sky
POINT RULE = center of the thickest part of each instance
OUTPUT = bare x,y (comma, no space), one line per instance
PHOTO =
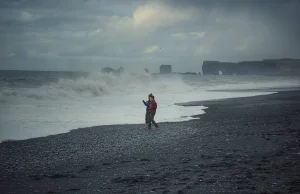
90,34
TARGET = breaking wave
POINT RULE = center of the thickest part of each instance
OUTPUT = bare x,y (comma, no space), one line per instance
99,84
40,87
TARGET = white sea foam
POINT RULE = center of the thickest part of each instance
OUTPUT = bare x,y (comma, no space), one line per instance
98,84
257,85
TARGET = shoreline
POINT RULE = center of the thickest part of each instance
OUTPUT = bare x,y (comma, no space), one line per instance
190,117
248,144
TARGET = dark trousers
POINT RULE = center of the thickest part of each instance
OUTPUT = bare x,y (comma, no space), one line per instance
147,117
151,120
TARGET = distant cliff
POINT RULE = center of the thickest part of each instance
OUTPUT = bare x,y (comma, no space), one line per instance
215,67
111,70
186,73
165,69
264,67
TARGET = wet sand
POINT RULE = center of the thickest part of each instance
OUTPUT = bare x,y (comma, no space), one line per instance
245,145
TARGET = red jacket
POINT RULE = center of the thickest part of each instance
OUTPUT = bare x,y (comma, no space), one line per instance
153,106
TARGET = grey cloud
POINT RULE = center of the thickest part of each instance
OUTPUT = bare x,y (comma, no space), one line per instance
83,32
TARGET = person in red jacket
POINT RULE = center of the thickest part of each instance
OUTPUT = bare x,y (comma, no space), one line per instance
152,112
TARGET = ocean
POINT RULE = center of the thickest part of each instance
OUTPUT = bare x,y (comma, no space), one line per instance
37,104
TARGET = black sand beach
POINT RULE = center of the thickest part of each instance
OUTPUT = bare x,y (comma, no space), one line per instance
245,145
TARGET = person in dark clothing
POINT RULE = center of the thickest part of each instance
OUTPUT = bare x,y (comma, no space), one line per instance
152,112
147,104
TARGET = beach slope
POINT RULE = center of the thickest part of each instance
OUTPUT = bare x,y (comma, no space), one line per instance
240,145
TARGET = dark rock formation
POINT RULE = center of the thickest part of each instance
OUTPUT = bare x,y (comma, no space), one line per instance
186,73
165,69
107,70
111,70
211,67
264,67
146,70
251,68
215,67
190,73
288,66
120,70
227,68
